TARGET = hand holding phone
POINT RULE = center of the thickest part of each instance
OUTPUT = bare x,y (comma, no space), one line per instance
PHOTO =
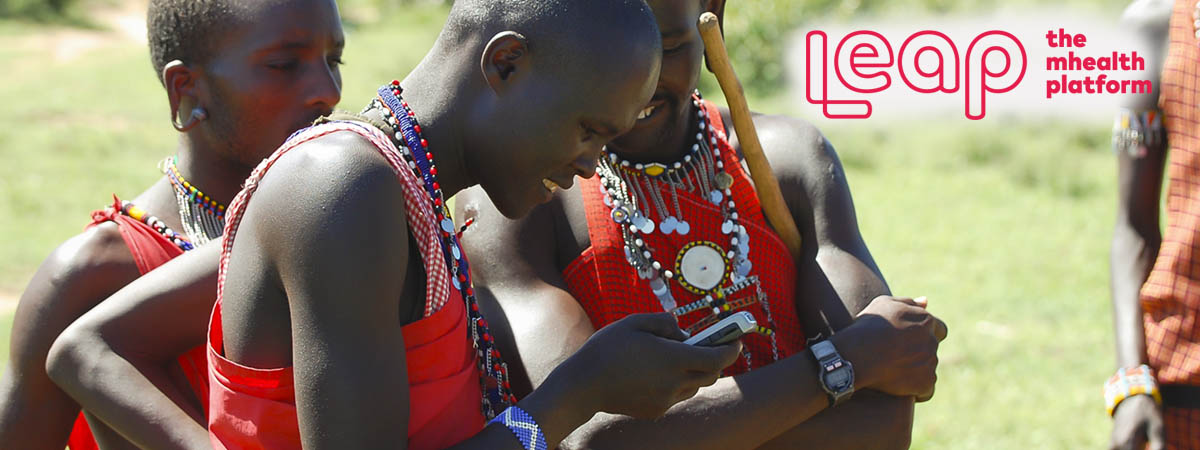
725,331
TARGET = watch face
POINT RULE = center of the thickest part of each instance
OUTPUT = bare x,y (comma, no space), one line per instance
840,379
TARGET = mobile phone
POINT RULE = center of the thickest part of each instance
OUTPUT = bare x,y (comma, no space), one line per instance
725,331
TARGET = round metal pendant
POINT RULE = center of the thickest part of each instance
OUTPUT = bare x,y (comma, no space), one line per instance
668,225
724,181
702,266
715,197
683,228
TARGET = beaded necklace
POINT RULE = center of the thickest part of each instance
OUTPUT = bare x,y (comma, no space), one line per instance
407,136
139,214
634,192
203,218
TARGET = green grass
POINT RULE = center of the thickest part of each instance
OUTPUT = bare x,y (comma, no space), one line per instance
1009,239
1005,226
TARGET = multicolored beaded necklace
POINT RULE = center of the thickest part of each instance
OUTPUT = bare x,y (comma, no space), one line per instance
408,139
634,191
203,218
139,214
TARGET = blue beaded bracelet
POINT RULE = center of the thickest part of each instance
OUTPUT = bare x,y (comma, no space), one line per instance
523,426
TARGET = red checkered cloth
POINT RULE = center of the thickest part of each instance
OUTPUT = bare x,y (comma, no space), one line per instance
608,288
1171,295
421,218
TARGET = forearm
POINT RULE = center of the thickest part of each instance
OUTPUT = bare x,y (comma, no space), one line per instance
741,412
870,420
556,407
138,398
1132,259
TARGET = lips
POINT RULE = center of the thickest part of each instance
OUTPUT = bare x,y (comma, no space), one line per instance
553,185
651,108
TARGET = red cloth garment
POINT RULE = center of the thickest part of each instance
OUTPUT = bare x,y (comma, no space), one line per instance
254,408
1171,295
608,288
150,250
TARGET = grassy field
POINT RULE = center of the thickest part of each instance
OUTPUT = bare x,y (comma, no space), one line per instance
1005,226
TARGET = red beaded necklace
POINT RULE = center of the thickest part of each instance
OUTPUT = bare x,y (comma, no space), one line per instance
408,138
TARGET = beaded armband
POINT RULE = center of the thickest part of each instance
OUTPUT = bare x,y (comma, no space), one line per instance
1128,383
1137,132
523,426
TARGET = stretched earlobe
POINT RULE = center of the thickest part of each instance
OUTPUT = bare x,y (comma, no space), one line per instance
181,84
198,115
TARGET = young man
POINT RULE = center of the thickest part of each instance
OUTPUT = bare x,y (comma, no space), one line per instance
239,80
672,204
1155,395
334,287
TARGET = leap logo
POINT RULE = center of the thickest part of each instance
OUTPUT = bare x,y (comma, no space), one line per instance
928,63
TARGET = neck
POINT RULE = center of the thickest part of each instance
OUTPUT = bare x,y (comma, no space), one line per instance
219,178
432,94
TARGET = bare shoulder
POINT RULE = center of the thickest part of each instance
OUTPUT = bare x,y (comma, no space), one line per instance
79,274
800,155
321,195
326,175
96,258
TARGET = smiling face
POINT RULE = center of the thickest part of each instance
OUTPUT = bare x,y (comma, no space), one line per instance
275,72
555,125
667,119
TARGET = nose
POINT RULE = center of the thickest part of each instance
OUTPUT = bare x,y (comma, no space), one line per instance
585,165
326,90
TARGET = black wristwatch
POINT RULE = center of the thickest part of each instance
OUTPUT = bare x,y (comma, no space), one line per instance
835,373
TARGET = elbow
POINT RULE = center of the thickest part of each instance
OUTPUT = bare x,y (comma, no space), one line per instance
67,357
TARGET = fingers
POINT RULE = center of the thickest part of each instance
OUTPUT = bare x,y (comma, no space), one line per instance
921,301
922,398
659,324
710,359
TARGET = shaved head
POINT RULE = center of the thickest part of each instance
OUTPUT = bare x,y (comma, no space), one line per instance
185,30
560,32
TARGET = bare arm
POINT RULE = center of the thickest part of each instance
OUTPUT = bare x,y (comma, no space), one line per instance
114,360
836,279
34,412
1136,236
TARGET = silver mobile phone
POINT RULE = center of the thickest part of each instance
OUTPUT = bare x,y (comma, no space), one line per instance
725,331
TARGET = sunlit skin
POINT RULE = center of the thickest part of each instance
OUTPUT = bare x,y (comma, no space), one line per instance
837,278
1137,235
269,78
322,276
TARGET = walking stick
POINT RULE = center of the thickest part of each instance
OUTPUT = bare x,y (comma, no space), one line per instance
769,194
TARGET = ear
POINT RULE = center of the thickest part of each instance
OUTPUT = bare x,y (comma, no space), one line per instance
505,56
183,88
716,7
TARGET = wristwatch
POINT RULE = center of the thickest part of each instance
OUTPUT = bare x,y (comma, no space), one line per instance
835,373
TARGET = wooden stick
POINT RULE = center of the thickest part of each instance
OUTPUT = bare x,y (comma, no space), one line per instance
769,193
